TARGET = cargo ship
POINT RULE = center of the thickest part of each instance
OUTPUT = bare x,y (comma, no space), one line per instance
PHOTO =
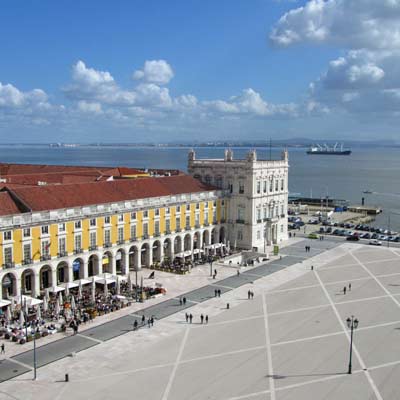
336,150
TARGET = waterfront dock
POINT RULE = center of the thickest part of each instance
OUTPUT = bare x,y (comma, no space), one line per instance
368,210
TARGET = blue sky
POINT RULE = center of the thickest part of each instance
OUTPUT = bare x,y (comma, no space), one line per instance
198,70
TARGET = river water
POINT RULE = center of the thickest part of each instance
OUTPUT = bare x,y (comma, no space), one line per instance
342,177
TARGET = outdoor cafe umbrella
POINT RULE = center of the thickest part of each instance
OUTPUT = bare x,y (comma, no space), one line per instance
21,318
12,305
105,288
46,294
38,313
129,282
8,313
66,290
80,289
73,305
118,285
25,307
57,310
45,304
60,298
93,290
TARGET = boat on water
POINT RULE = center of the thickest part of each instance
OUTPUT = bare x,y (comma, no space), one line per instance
367,191
335,150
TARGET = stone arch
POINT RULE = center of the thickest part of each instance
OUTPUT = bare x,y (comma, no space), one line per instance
145,255
62,272
120,257
167,247
187,242
46,277
9,285
222,234
134,264
107,260
214,236
28,282
197,240
94,266
157,251
177,244
206,238
77,269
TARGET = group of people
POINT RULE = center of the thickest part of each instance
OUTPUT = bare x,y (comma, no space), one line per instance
203,318
308,249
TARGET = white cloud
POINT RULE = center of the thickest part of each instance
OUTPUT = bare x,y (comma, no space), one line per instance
354,24
91,108
155,71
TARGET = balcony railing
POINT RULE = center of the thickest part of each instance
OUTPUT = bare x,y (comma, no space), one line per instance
106,245
45,257
27,261
197,226
62,254
206,223
168,231
121,242
156,234
133,239
222,220
240,221
92,248
188,227
283,215
9,265
78,251
259,221
145,236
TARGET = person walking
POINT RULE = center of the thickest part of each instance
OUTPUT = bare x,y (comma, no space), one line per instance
237,272
190,318
201,318
215,272
215,292
152,321
148,323
344,290
135,325
312,267
187,317
143,319
252,295
248,295
206,319
349,287
3,349
180,301
184,300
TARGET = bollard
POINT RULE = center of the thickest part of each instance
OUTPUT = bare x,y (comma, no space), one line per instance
227,306
66,378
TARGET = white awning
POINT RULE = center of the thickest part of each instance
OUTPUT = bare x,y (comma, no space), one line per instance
83,281
56,289
4,303
69,285
105,281
30,301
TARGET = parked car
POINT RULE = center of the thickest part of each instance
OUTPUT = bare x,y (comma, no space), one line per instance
375,242
313,236
353,238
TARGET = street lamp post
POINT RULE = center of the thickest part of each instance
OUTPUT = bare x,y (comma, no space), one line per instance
352,323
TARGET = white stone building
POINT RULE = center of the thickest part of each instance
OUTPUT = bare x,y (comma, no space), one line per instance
257,195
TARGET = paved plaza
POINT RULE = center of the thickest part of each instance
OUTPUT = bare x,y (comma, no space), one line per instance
290,342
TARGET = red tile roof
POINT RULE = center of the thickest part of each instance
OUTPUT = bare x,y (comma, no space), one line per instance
7,204
41,198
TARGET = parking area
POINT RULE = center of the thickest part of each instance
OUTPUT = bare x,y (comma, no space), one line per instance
290,342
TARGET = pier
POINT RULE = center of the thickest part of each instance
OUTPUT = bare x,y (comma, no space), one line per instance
369,210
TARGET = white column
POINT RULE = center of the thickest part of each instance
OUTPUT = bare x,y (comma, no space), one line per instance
18,287
126,262
36,284
70,273
85,267
54,277
149,260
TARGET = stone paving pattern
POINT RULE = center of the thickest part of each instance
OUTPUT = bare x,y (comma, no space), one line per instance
289,342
